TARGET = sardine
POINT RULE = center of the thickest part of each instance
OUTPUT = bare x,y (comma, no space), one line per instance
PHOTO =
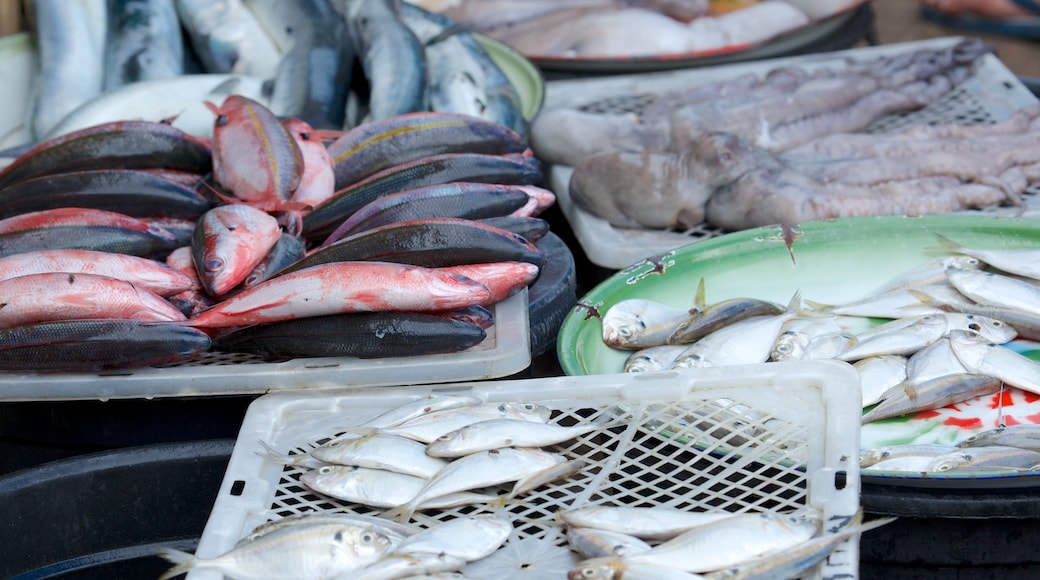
596,543
1025,262
229,242
143,273
637,323
298,551
381,451
879,374
340,288
468,538
505,432
144,42
989,457
1024,436
981,356
933,394
380,488
657,523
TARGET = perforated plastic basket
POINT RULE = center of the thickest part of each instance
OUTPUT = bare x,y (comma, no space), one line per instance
991,94
770,437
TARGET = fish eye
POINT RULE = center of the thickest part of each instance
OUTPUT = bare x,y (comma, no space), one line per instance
624,332
214,264
975,326
325,469
529,407
367,538
997,324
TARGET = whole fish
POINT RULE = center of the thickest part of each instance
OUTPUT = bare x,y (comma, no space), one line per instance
228,38
929,273
457,199
879,374
933,361
380,144
1025,262
875,455
300,551
617,568
989,457
254,156
144,42
747,341
712,317
93,345
287,250
434,170
394,531
502,279
503,432
409,565
380,488
429,427
381,451
1026,324
229,242
476,471
657,523
343,287
144,274
900,337
70,44
996,289
529,228
638,323
907,463
596,543
138,193
391,56
933,394
807,338
420,407
981,356
116,145
317,182
1024,436
653,358
70,228
468,538
893,303
537,479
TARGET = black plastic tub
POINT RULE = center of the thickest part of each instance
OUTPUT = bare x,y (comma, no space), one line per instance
951,533
102,515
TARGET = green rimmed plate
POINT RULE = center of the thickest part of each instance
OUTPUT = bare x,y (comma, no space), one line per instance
522,73
833,261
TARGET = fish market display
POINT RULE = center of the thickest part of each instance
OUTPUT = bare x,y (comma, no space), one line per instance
225,251
784,147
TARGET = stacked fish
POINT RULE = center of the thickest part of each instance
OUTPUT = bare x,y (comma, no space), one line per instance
101,61
1009,448
391,241
948,319
616,542
358,547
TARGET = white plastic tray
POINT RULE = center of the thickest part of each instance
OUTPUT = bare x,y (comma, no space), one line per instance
505,351
993,93
806,450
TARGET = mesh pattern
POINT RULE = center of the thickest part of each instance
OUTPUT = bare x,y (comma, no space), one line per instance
699,454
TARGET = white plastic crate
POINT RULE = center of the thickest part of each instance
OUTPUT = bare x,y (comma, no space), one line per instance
773,437
505,350
992,94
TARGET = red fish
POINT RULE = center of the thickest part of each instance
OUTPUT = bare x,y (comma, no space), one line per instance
254,156
229,241
146,274
194,299
343,287
318,181
540,200
65,296
503,279
83,229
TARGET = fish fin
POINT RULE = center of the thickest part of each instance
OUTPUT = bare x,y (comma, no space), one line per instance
949,245
700,301
401,514
213,108
795,303
818,307
182,561
273,454
227,88
326,135
910,390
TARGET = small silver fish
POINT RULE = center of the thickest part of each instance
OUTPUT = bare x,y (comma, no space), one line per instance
504,432
378,487
748,341
417,565
1025,262
928,273
981,356
616,568
429,427
873,456
878,374
468,538
381,451
901,336
992,457
933,394
996,289
596,543
549,474
908,464
655,523
1024,436
701,323
637,323
421,406
654,358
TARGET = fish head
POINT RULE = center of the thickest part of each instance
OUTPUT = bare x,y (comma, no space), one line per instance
991,329
949,461
229,242
607,568
526,411
360,542
789,345
619,326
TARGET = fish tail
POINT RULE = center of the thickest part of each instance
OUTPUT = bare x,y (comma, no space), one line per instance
272,454
814,306
402,513
948,244
182,561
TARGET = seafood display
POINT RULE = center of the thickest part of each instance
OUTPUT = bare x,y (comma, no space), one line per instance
789,146
222,255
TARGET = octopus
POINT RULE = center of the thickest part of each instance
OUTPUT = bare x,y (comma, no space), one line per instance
787,147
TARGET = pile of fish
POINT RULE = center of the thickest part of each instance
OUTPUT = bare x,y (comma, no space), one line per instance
942,344
660,542
1011,449
788,146
102,61
392,240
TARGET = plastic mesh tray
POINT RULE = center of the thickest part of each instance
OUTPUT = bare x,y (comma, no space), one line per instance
504,351
753,437
992,94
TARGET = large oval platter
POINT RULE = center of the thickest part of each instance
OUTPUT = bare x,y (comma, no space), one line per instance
830,262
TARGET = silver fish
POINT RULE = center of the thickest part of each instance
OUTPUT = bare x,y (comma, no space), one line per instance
419,407
479,470
729,542
902,336
228,38
933,394
878,374
704,321
596,543
429,427
394,531
909,464
379,488
637,323
504,432
996,289
407,566
873,456
468,538
381,451
302,550
931,362
1025,262
614,567
894,303
929,273
537,479
654,358
144,42
748,341
991,457
981,356
1026,324
655,523
1024,436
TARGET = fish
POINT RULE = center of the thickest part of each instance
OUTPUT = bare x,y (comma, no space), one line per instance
409,565
747,341
656,523
341,288
932,394
380,488
320,550
933,361
95,345
811,338
317,181
478,470
614,567
393,59
638,323
394,531
1024,436
70,228
729,542
468,538
653,358
420,407
51,296
596,543
981,356
466,200
144,42
228,39
929,273
989,457
70,46
503,432
898,337
908,463
537,479
1026,324
704,321
145,274
429,427
194,299
254,156
287,250
503,279
381,451
894,303
879,374
1025,262
434,170
996,289
380,144
529,228
229,242
876,455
